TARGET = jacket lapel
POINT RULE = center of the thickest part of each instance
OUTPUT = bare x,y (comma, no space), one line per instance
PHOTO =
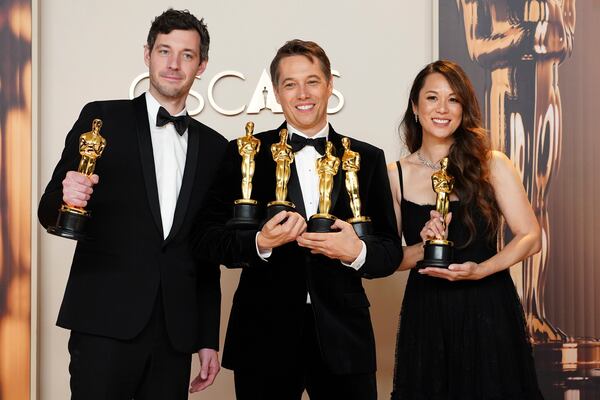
295,192
147,157
187,183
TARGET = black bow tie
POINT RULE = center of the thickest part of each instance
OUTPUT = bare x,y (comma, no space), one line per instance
299,142
180,123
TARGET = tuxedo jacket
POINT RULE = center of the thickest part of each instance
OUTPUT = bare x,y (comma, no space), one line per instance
117,273
265,325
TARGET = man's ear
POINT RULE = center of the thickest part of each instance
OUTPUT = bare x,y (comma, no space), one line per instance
147,52
201,68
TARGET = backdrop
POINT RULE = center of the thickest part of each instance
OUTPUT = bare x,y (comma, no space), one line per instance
534,64
15,198
93,50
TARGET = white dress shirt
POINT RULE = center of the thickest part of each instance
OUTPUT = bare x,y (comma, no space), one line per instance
306,167
169,150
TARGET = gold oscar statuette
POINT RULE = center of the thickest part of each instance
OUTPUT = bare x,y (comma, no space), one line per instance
245,210
351,164
283,157
327,168
440,252
72,220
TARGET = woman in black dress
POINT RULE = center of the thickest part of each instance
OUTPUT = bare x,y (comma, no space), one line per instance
462,331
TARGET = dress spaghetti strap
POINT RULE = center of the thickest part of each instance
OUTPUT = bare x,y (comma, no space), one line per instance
400,177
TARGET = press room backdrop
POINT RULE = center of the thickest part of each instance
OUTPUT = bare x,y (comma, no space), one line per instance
94,50
59,54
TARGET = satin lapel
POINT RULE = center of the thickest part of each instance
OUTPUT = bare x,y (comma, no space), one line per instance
187,183
295,192
147,157
338,182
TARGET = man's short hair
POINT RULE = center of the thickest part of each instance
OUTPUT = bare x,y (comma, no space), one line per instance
298,47
171,20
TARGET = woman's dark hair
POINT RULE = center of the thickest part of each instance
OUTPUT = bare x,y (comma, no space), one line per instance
470,153
171,20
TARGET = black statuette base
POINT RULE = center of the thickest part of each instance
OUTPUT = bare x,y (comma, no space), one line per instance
363,228
437,253
69,225
245,216
274,208
321,223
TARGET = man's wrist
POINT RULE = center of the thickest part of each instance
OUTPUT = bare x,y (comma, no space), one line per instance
263,247
262,243
359,260
357,248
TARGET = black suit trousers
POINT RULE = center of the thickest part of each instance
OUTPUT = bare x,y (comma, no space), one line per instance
311,375
143,368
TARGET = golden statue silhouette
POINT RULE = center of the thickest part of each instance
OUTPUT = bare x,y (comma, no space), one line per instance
283,157
245,210
442,184
327,167
91,146
439,252
351,164
521,44
72,220
248,147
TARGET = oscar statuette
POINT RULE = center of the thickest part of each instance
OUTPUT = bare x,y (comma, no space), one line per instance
351,164
283,157
72,220
327,168
245,210
440,252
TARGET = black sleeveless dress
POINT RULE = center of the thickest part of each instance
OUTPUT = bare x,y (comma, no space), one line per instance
462,340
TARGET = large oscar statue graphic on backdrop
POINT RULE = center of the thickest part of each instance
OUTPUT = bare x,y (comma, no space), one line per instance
520,45
16,183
